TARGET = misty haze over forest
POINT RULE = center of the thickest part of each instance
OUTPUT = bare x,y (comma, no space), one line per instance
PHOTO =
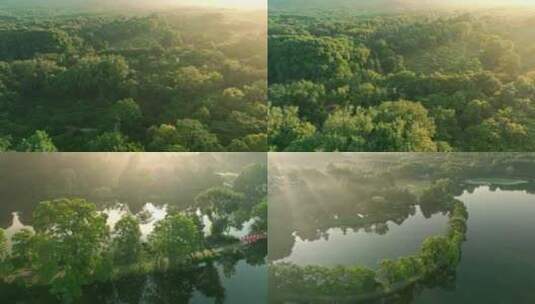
102,4
392,4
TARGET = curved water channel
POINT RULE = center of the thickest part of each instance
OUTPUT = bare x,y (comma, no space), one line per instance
497,264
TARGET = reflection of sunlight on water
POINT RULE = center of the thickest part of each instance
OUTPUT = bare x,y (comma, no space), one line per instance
154,214
16,226
246,227
206,223
115,214
149,215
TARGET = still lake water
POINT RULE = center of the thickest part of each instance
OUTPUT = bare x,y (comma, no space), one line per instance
498,258
365,248
247,285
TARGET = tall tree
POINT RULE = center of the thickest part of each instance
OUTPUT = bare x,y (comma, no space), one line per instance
71,238
220,204
175,239
126,238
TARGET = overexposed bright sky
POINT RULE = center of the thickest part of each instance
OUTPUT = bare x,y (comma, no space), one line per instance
493,2
225,3
407,2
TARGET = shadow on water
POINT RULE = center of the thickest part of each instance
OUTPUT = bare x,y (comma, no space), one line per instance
217,281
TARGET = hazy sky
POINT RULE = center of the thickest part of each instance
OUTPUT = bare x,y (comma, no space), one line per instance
395,3
225,3
262,4
489,2
249,4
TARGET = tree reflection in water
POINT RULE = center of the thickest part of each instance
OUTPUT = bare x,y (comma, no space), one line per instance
171,286
311,195
90,251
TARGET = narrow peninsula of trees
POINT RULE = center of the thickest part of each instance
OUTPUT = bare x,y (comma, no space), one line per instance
437,259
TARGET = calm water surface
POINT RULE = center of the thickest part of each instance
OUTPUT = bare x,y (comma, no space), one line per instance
247,285
367,248
498,261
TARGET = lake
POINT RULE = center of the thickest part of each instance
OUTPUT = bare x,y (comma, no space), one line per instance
350,247
203,285
329,213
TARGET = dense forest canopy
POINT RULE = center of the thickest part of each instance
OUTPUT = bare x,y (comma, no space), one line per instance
403,80
182,79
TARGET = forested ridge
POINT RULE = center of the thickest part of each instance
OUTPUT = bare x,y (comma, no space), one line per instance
345,80
189,79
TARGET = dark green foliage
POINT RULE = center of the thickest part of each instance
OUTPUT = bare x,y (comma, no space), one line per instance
354,81
321,281
70,244
260,211
436,197
113,142
21,252
185,135
252,182
3,245
38,142
126,237
399,271
175,238
287,130
220,204
311,58
26,43
437,193
109,82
